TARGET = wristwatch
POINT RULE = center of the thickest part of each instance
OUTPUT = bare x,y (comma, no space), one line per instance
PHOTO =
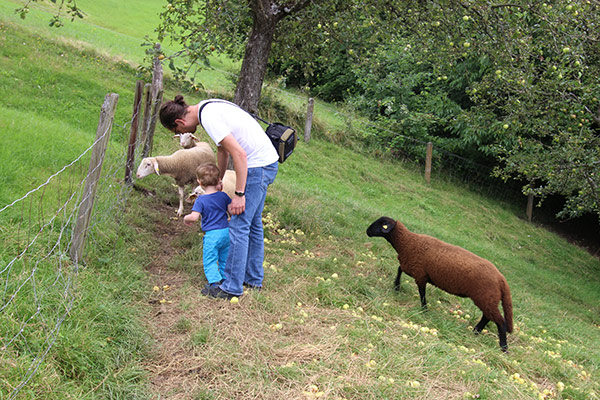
240,194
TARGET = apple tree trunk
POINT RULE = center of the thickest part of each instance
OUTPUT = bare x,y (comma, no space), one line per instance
256,57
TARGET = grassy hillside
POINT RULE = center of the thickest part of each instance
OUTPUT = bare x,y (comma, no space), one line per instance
112,27
115,29
327,324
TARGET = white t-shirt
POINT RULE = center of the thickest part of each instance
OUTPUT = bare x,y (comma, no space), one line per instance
221,118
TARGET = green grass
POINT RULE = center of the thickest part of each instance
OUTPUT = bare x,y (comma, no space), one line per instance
115,29
111,27
327,321
332,326
53,93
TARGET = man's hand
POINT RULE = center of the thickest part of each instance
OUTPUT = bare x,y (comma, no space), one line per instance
237,205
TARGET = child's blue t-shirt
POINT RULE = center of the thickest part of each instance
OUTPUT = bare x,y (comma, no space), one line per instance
213,208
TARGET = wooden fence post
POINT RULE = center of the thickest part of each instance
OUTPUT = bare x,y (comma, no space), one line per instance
107,114
428,158
146,116
529,207
129,165
154,116
309,118
156,96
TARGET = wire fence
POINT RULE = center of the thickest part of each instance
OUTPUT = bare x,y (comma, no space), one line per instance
445,165
38,278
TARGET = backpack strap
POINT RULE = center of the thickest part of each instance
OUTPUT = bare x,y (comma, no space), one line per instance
226,102
260,119
212,101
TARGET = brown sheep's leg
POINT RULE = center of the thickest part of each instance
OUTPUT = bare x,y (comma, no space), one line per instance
397,281
502,336
479,327
422,295
491,313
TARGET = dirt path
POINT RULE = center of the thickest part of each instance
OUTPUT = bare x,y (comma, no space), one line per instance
174,369
213,349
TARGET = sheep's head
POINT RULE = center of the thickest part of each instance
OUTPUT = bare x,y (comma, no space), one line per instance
382,227
148,166
186,140
198,191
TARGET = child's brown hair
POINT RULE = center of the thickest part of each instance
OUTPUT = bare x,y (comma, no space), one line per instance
208,174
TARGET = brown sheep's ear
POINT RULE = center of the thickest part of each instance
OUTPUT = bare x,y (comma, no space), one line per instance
388,225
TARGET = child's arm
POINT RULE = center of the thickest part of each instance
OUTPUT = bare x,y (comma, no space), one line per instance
191,218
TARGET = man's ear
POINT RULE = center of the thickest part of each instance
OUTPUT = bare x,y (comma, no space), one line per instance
179,121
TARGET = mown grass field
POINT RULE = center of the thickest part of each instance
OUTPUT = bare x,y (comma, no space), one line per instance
328,324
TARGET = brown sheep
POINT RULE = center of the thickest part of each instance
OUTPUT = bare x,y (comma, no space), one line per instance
452,269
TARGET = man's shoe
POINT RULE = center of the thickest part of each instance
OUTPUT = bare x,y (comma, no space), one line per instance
217,293
252,287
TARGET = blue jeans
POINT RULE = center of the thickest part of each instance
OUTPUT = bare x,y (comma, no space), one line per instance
215,249
246,251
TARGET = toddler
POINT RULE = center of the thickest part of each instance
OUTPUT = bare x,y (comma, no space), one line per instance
212,207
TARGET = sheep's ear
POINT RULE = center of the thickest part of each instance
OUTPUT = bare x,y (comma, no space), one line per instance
195,138
155,166
192,197
176,136
387,225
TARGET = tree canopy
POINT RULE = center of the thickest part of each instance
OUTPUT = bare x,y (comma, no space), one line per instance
202,27
514,85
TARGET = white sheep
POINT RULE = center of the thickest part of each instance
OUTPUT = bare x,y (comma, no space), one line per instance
186,140
228,187
180,165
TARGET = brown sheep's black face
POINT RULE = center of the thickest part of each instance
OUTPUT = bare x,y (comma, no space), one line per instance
382,227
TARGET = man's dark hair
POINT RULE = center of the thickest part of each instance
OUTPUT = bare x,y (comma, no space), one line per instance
172,110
